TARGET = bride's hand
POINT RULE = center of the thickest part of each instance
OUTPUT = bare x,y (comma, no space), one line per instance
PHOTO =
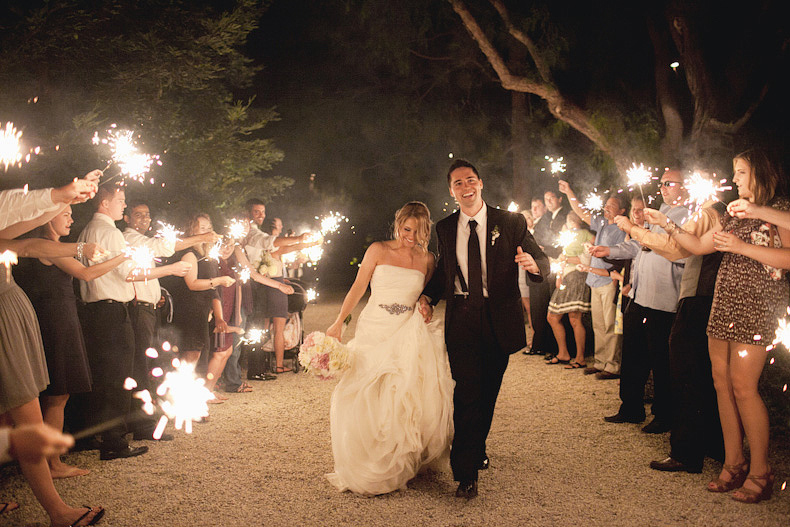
334,330
426,309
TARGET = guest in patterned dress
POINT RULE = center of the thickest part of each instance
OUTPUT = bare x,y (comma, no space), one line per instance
750,296
572,295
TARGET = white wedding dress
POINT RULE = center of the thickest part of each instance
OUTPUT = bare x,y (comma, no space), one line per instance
392,411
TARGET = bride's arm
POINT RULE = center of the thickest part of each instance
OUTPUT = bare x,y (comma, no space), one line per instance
358,288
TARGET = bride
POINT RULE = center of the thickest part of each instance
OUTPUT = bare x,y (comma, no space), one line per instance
391,412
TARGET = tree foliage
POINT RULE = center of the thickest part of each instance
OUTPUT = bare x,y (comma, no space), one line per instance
173,71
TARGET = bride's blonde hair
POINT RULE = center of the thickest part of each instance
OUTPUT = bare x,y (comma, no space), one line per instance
419,211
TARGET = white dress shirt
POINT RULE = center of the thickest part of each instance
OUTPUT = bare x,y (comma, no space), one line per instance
258,242
462,247
17,205
112,285
149,290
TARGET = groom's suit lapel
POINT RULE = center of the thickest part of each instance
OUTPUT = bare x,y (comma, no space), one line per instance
491,221
452,238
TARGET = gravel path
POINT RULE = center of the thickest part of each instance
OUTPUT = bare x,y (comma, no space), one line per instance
261,458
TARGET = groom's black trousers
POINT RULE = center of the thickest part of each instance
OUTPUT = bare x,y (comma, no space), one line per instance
477,363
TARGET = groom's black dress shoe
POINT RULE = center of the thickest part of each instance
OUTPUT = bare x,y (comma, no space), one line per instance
671,464
484,464
129,451
467,489
622,418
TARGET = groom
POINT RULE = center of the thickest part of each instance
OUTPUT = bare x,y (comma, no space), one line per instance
480,250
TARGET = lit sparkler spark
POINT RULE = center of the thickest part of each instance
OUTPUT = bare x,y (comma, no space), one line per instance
513,207
237,229
638,175
556,267
8,258
253,336
289,258
10,153
314,254
143,257
594,202
168,232
243,273
214,252
331,222
701,189
124,153
565,238
556,166
185,396
783,334
312,295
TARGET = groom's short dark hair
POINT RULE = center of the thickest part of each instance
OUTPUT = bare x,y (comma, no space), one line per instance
460,163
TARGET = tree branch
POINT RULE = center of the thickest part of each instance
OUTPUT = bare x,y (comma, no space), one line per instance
735,126
540,64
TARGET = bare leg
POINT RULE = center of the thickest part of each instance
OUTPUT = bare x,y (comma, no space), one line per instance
525,303
555,321
746,365
215,366
579,334
278,325
38,476
52,407
731,426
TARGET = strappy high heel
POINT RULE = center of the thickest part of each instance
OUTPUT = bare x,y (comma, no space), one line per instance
745,495
737,477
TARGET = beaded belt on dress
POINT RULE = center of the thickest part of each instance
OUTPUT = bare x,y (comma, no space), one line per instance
396,309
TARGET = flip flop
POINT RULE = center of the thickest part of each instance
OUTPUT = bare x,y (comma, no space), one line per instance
96,519
8,506
555,360
573,365
282,369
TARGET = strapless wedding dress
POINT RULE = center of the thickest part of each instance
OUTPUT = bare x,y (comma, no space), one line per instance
391,412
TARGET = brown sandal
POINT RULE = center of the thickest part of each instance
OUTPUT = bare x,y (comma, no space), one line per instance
737,477
745,495
282,369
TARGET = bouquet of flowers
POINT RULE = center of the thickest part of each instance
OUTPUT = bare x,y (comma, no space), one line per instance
268,266
323,356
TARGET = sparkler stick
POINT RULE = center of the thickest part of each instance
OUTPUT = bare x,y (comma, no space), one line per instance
638,176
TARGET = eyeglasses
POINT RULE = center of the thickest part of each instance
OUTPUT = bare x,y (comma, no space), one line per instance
669,184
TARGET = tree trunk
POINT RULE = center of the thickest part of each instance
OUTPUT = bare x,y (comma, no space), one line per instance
519,132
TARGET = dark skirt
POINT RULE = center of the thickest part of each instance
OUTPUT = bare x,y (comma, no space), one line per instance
572,296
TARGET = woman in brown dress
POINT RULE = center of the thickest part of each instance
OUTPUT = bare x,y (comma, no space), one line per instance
750,296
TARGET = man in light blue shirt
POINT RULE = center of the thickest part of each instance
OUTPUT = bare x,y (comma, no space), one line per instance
648,320
603,288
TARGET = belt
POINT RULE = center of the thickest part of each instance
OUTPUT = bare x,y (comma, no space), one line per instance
108,301
144,304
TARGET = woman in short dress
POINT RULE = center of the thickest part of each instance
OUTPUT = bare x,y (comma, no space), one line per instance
572,295
48,284
749,298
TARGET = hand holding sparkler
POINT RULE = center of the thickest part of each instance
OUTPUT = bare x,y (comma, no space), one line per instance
78,191
743,208
624,224
599,251
285,288
655,217
565,188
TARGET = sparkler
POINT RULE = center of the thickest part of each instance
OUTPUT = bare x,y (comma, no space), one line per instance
253,336
143,257
9,145
243,273
168,232
8,258
594,202
184,396
331,222
638,176
313,254
556,166
565,238
124,153
556,267
701,189
513,207
312,295
237,230
782,334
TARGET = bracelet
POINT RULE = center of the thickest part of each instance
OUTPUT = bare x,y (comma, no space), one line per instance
80,247
211,283
671,227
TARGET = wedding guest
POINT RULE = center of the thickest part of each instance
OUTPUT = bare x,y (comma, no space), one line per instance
571,295
195,298
106,324
48,283
750,295
648,320
23,372
695,429
543,342
147,295
608,345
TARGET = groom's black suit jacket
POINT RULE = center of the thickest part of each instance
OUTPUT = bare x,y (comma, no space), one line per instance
502,273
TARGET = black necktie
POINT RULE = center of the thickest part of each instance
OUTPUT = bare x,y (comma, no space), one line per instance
474,266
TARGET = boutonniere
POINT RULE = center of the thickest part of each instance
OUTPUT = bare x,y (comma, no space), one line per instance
494,234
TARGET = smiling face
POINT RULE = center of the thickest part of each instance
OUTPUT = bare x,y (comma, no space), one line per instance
467,189
612,209
258,214
61,224
638,211
742,177
139,218
407,232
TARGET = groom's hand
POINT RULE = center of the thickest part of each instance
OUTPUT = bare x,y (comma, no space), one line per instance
426,309
526,261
